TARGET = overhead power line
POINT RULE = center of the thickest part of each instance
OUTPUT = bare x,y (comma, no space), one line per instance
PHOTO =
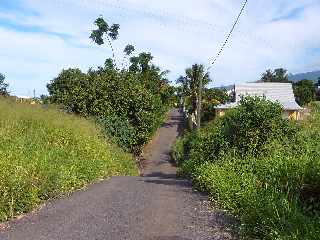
229,35
182,23
153,13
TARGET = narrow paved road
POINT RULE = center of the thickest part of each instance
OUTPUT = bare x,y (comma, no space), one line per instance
155,206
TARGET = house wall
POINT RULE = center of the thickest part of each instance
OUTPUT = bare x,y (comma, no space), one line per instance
288,114
292,115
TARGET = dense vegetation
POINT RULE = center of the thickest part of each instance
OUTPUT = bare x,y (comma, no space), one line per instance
45,153
130,103
304,91
212,97
277,75
198,101
191,90
261,167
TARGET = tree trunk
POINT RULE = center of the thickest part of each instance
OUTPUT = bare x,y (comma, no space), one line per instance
190,122
199,103
113,53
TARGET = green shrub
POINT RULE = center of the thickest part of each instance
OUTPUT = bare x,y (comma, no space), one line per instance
304,91
181,148
244,130
212,97
45,153
255,122
139,99
262,168
120,130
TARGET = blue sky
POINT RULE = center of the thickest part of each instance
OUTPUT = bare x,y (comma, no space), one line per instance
41,37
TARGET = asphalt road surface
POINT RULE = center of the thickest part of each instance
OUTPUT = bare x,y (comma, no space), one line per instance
156,206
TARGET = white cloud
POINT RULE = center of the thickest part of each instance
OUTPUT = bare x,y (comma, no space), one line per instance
278,33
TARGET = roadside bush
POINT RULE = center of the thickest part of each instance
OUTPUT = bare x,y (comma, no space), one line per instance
245,130
69,89
208,110
120,130
262,168
46,153
212,97
138,98
255,122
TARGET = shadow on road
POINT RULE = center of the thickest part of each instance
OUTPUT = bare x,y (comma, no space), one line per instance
161,175
166,179
174,121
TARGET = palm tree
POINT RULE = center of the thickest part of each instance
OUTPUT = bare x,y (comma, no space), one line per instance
193,84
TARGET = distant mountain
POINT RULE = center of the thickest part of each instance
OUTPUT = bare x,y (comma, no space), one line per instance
309,75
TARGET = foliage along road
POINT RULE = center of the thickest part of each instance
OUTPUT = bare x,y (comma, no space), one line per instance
156,205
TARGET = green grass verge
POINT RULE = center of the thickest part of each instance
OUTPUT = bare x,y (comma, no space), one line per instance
45,153
271,186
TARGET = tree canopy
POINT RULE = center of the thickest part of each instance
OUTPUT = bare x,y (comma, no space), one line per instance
192,85
104,29
129,49
304,91
278,75
211,98
111,33
129,103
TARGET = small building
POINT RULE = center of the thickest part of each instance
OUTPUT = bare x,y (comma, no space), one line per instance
277,92
25,99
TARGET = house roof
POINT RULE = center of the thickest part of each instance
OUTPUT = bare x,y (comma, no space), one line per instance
277,92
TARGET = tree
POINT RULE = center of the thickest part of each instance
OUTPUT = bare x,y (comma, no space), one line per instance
72,89
281,75
128,50
104,30
141,63
278,75
129,103
212,97
151,76
267,76
304,91
118,96
44,99
3,86
183,90
193,84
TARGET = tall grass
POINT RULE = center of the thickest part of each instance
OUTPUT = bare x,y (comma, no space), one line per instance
270,181
45,153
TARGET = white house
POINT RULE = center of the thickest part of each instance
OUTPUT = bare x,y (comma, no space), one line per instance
277,92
